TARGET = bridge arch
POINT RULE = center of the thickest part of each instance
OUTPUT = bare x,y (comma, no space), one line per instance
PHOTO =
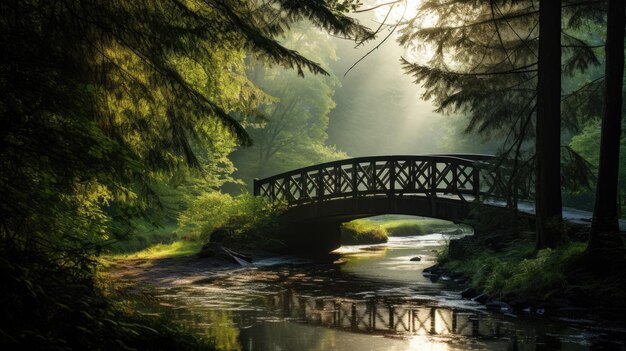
321,197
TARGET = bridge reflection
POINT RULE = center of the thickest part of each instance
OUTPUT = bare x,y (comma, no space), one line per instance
376,315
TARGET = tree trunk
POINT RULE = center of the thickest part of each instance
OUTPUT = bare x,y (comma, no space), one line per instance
605,225
548,128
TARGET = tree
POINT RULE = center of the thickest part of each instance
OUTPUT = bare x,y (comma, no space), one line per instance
499,62
548,207
293,130
604,226
101,94
101,98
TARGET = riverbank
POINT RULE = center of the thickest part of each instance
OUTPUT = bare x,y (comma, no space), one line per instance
174,264
293,303
506,270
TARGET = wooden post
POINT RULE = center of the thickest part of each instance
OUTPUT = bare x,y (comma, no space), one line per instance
454,316
320,185
256,187
433,178
455,178
476,182
373,315
373,177
433,315
287,189
337,180
354,179
353,316
304,192
392,178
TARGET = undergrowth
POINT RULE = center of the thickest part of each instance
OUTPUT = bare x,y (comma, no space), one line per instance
518,269
49,302
161,251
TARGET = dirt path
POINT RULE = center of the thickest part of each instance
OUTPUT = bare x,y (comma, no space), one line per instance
168,271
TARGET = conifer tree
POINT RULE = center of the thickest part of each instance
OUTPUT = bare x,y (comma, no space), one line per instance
99,97
548,207
486,62
605,226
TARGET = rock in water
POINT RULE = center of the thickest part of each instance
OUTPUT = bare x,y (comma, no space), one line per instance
416,259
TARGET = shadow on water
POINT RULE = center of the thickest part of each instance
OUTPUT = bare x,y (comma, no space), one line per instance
347,304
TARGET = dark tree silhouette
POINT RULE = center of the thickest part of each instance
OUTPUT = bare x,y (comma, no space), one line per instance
548,126
605,225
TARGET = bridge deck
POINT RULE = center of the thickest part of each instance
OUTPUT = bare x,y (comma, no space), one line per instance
572,215
452,181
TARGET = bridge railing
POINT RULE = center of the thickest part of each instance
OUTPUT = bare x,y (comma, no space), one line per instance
457,176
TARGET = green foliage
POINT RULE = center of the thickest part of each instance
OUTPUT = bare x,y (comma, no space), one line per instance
293,130
361,232
587,145
207,212
181,248
143,234
240,215
418,227
402,226
517,269
481,60
114,111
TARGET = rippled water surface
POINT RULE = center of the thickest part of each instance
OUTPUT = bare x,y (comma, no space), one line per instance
363,298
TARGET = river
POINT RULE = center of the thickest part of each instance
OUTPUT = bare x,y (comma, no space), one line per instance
370,297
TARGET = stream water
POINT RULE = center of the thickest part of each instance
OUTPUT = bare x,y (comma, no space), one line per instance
363,298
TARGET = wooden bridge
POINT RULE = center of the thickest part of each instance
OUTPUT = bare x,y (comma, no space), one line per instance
383,316
321,197
458,175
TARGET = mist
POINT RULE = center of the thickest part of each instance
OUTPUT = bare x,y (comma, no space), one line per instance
380,110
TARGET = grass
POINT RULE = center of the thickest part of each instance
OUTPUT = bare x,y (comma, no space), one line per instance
145,235
407,226
161,251
362,232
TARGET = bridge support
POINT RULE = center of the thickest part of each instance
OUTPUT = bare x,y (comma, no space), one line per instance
311,237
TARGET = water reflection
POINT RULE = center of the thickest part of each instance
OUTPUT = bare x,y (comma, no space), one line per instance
376,315
352,306
289,320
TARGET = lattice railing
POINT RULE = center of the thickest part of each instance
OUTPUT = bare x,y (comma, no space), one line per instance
458,176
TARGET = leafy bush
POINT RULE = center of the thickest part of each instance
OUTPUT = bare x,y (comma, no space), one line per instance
248,219
362,232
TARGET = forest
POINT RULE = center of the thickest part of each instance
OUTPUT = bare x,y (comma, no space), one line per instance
137,137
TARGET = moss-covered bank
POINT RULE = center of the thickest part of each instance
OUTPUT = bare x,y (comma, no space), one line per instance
506,266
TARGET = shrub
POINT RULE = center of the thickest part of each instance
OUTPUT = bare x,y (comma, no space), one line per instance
362,232
249,220
517,269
